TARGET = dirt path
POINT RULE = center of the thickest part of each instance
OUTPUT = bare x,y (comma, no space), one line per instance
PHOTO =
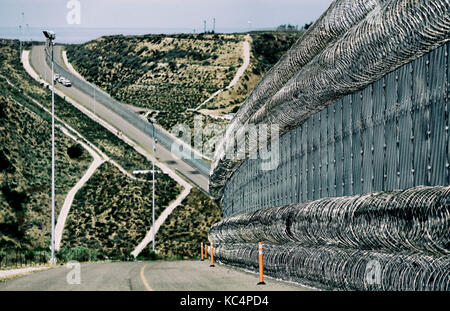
98,160
239,73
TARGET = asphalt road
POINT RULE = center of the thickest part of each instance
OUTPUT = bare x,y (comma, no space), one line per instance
127,128
142,276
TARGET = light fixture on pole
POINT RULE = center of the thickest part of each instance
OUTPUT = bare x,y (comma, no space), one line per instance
50,35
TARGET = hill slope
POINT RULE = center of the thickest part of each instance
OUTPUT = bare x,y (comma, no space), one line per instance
118,205
172,75
25,164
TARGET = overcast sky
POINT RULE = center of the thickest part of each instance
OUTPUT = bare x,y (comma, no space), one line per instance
163,13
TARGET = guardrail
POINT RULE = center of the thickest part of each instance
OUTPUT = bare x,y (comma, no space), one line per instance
106,100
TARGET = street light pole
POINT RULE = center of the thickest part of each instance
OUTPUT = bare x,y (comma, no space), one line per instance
50,35
153,121
95,113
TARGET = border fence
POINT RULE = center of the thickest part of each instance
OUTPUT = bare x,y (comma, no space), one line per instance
105,99
394,134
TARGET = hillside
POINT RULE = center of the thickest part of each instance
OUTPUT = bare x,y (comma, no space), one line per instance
266,49
25,164
181,238
170,76
112,219
167,74
118,205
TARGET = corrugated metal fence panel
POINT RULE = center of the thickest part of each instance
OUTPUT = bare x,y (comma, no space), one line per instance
298,160
304,163
331,151
378,134
367,138
356,143
420,121
393,134
286,177
288,169
447,102
347,144
316,156
323,153
438,121
339,151
294,167
310,163
405,126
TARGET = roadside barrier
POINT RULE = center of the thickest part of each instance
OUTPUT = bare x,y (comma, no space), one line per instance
201,251
261,268
206,252
212,254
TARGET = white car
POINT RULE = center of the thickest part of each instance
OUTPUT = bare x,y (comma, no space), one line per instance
66,82
56,77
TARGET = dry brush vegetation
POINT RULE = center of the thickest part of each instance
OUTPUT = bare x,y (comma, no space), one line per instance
171,74
112,213
187,227
25,167
25,164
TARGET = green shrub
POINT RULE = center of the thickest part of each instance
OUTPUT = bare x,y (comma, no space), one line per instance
78,253
147,254
75,151
4,162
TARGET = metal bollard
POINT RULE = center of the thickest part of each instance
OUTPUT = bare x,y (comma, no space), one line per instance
212,254
201,251
261,268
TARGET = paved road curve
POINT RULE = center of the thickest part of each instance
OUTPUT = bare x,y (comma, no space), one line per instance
128,129
141,276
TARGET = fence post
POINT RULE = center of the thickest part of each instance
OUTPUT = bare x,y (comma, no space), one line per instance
212,254
261,269
201,250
